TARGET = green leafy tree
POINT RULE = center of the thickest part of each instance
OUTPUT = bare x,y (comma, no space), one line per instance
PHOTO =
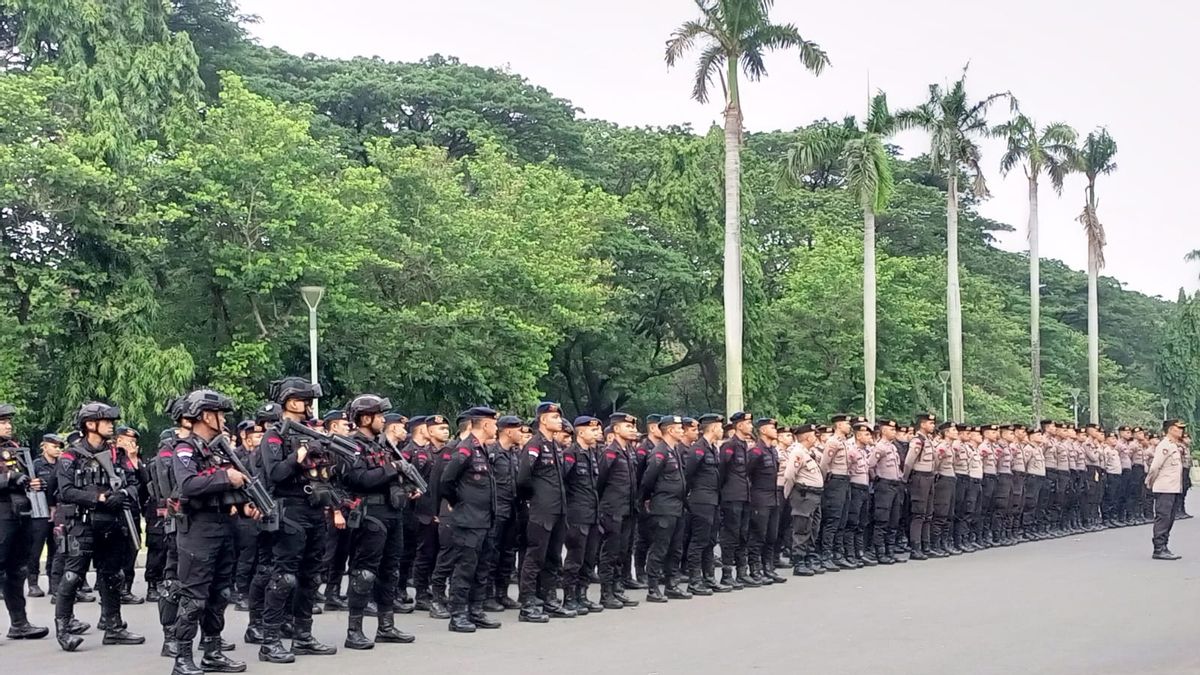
954,122
1038,150
735,35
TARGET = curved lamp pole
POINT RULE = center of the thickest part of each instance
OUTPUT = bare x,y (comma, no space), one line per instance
944,378
1075,392
1165,402
312,297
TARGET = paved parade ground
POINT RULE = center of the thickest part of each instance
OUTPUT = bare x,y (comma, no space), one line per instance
1094,604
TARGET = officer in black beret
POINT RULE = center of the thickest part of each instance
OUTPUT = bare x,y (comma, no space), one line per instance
541,476
500,549
704,498
663,491
581,469
616,487
735,502
641,544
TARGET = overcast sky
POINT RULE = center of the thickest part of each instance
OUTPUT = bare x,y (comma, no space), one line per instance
1125,65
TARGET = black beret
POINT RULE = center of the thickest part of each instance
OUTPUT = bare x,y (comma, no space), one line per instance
547,407
585,421
689,422
653,419
58,440
566,427
394,418
1174,423
668,420
619,417
991,427
840,417
435,420
764,422
246,425
127,431
509,422
923,416
1046,423
804,429
709,418
479,411
416,421
740,416
823,429
885,423
945,425
333,416
861,426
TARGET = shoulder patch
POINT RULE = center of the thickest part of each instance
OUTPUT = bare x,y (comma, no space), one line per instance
660,454
445,455
464,451
729,451
569,458
68,455
699,452
756,451
274,438
610,454
533,452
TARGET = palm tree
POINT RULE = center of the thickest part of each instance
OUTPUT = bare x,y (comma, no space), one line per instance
953,122
1094,159
729,34
1048,149
863,157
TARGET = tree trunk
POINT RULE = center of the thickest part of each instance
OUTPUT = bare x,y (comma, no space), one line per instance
953,299
869,309
1035,303
1093,338
733,250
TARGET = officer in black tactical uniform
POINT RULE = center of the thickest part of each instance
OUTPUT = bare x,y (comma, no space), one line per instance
211,498
155,513
500,549
95,527
540,475
663,491
43,528
300,472
16,526
375,545
583,514
249,437
469,490
267,417
704,499
163,475
616,485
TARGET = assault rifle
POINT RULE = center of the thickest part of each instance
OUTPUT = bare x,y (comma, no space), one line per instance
347,450
37,498
117,482
253,488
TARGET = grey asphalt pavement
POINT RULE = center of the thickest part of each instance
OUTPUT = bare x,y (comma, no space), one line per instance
1094,604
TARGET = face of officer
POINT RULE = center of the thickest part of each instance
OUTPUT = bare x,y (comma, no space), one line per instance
51,451
127,443
6,428
927,426
991,435
484,429
438,433
769,432
551,421
251,438
511,437
743,427
1175,433
654,430
589,435
786,438
863,436
950,433
691,433
808,438
102,428
339,427
841,428
297,407
888,433
672,433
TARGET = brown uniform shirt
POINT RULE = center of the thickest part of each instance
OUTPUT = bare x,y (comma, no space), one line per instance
835,458
1166,471
884,460
802,468
1035,461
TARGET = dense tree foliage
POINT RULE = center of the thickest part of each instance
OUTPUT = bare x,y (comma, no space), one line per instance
480,242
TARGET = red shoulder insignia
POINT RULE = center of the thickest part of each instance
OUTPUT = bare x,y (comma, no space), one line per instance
445,455
274,438
68,455
660,454
756,451
610,455
729,451
465,451
699,452
569,458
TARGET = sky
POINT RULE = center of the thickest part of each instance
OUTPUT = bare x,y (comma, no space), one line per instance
1123,65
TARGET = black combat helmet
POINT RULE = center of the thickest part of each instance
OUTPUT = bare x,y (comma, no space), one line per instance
203,400
367,404
95,410
293,387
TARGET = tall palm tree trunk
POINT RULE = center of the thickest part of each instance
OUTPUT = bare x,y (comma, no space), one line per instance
1093,324
1035,302
953,299
869,308
733,255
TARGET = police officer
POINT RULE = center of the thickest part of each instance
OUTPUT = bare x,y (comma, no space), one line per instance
16,527
155,512
500,548
468,488
763,469
852,540
641,539
540,475
703,506
267,418
1035,481
163,476
918,471
249,437
735,502
884,461
835,465
1164,478
337,542
617,490
93,521
581,466
375,545
43,528
803,484
300,471
663,490
210,499
127,442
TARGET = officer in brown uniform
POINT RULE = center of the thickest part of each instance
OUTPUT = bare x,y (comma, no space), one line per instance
1004,483
803,484
1111,458
1165,481
918,471
858,508
961,461
884,461
1137,479
974,481
835,464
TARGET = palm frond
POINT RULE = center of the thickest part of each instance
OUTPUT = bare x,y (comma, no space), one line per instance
880,119
1193,255
1095,231
775,37
752,63
683,39
816,149
710,63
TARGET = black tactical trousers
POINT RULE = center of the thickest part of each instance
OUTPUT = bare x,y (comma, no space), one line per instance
542,566
168,601
426,558
920,500
853,534
263,569
207,557
703,520
760,540
439,582
583,546
943,509
783,538
499,554
42,538
467,586
104,542
666,535
834,503
735,524
247,554
1033,498
298,547
337,556
156,557
805,502
1136,495
16,533
886,514
375,548
1096,491
1164,518
614,552
408,549
1000,503
1016,502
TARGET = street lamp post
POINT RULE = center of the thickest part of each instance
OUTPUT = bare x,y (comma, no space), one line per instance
312,297
1075,392
944,376
1165,402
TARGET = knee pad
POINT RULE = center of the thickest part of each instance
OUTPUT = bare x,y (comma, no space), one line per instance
362,581
71,581
225,594
190,608
282,582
